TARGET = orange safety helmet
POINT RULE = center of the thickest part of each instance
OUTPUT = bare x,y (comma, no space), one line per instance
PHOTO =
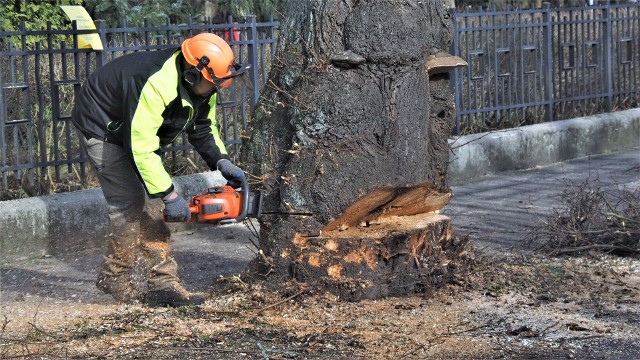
212,58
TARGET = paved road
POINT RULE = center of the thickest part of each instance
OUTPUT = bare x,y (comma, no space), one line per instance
497,211
52,291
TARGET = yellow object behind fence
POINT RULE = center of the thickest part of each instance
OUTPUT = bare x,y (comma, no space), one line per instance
83,22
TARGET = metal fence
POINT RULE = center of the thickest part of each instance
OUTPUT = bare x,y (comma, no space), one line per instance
510,4
40,71
531,66
525,67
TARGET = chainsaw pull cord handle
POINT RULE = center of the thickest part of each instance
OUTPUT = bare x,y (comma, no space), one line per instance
245,204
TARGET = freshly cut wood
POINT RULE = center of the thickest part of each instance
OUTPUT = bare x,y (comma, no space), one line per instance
382,202
395,255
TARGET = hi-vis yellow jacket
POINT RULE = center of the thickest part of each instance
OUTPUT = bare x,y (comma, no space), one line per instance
139,102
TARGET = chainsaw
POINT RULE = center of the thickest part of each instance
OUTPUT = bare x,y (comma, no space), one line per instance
225,205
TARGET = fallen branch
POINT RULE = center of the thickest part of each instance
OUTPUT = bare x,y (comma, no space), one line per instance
600,247
259,311
429,342
253,312
223,312
591,219
54,336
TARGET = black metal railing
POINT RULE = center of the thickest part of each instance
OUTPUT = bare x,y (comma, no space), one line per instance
40,72
540,65
524,67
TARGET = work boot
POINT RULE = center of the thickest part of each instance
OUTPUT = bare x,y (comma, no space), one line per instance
152,224
164,287
114,277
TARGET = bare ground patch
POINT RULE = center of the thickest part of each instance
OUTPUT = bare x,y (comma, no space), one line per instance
510,307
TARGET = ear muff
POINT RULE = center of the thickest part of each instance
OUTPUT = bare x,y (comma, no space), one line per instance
192,77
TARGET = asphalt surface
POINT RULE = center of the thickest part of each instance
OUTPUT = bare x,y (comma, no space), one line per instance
497,212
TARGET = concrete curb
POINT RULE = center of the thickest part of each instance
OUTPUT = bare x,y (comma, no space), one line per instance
54,224
531,146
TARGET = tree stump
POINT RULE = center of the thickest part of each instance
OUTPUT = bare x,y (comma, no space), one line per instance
348,144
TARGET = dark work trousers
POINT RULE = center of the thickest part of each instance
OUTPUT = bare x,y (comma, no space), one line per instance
123,191
126,199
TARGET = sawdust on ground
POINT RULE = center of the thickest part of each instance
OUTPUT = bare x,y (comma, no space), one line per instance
516,306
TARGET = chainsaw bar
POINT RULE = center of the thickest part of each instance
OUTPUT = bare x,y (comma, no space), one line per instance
255,204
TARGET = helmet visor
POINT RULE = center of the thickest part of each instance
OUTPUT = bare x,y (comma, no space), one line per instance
236,72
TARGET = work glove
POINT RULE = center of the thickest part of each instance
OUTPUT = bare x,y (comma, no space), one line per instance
232,173
176,208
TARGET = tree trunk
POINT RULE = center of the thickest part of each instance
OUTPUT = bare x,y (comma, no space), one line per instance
349,133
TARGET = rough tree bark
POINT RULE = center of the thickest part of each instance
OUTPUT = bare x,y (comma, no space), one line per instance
349,145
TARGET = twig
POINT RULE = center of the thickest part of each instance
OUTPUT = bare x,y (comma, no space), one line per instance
259,311
423,346
263,351
476,139
249,224
578,338
245,351
544,331
250,351
430,344
252,250
622,217
47,333
223,312
35,314
5,322
26,356
570,250
621,282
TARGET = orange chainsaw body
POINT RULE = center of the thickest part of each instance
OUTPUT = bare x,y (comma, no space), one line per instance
219,203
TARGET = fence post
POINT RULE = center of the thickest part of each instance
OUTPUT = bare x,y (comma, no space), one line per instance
101,57
3,110
455,83
548,62
3,145
607,42
252,36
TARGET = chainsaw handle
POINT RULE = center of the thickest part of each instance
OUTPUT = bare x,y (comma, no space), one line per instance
245,204
192,209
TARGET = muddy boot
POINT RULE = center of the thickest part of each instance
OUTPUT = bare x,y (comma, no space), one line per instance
165,288
152,225
114,277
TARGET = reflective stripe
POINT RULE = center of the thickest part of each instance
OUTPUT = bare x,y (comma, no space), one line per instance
159,90
214,125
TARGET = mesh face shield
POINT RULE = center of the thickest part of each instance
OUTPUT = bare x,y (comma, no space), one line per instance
236,72
238,79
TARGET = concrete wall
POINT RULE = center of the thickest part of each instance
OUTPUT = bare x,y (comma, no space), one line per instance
543,144
53,224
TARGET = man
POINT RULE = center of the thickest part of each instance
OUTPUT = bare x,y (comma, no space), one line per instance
124,113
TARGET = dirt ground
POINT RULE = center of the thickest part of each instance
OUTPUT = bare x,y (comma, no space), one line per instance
514,305
511,304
